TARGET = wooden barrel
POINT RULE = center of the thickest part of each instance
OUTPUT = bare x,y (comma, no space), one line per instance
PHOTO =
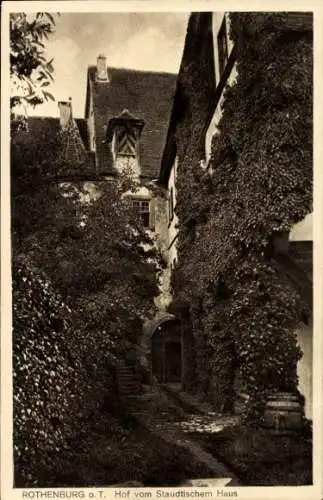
283,413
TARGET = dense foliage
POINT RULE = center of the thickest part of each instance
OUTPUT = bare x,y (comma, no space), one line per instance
65,434
47,374
242,306
30,70
96,254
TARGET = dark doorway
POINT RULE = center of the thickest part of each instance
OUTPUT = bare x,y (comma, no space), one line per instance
166,354
173,365
157,358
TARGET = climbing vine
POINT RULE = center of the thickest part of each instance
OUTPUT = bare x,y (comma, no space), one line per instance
47,390
243,307
84,278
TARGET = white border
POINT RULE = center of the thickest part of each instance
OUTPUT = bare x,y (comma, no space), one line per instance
314,492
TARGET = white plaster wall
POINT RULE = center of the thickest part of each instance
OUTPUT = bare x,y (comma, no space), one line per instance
141,192
303,230
164,298
87,191
216,24
305,366
160,239
128,164
92,192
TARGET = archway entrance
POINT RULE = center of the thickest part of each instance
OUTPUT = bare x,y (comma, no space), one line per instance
162,341
168,349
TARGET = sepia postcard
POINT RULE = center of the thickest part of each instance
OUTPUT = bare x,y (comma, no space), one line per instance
161,250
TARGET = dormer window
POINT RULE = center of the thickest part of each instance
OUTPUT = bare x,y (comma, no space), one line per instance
123,133
126,141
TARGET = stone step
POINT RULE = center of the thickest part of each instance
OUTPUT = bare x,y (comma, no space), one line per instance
132,384
128,382
127,377
130,390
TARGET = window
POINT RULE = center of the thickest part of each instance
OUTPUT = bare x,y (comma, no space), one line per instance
126,142
142,208
222,46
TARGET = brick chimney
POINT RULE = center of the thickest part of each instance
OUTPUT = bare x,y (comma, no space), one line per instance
65,112
101,65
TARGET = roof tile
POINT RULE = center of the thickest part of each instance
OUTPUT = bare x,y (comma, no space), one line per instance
39,140
149,97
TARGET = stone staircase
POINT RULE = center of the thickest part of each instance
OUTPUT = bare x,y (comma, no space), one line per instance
128,381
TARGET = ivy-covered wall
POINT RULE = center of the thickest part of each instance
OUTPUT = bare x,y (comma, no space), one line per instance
49,380
243,308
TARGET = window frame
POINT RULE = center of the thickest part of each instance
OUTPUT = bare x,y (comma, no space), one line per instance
136,203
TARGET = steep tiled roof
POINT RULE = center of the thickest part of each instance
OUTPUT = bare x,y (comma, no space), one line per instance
148,96
72,146
39,139
82,126
40,128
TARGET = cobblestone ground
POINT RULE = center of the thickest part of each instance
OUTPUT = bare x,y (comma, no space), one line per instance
165,416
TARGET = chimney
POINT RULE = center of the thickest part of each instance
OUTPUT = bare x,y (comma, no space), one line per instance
65,112
101,65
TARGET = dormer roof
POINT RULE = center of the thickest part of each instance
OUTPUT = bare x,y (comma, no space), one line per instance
132,94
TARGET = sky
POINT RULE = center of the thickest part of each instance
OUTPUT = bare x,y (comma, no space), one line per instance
147,41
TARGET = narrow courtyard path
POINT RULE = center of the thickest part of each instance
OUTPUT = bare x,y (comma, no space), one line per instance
174,419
